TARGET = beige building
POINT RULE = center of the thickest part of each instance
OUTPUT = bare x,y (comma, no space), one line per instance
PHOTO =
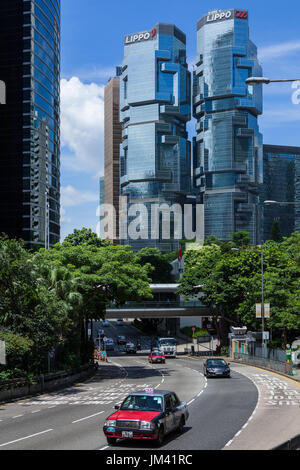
112,141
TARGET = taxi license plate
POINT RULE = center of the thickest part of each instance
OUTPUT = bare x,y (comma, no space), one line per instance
127,434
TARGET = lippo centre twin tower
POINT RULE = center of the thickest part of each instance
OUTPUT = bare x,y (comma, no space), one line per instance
160,172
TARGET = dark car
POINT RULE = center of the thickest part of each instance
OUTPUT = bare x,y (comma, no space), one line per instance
130,348
148,414
216,368
157,356
121,340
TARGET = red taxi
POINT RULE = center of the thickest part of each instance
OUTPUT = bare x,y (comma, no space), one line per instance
148,414
157,356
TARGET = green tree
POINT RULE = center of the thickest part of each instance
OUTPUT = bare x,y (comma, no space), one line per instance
161,268
85,236
102,275
241,238
27,307
275,233
231,282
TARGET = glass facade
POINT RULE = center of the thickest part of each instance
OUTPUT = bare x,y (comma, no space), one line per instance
155,96
227,149
35,103
282,184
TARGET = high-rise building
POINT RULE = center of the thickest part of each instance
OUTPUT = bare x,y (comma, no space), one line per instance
112,142
228,159
155,90
29,121
282,184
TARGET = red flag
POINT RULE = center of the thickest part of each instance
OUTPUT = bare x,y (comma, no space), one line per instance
180,256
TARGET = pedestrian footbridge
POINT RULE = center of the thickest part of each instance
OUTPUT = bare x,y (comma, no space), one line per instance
159,310
162,307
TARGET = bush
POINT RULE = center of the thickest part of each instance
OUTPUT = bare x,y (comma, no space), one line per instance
224,351
187,330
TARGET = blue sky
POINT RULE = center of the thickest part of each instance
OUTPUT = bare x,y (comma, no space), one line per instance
92,45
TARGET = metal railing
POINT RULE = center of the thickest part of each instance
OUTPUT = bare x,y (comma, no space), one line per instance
265,362
159,304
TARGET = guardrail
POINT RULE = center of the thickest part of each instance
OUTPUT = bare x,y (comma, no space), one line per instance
265,362
161,305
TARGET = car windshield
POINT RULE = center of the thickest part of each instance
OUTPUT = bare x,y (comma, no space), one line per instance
142,403
121,337
156,352
167,342
216,362
130,345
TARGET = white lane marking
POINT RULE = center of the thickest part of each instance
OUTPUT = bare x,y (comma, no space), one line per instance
87,417
252,416
18,416
191,401
103,448
36,411
27,437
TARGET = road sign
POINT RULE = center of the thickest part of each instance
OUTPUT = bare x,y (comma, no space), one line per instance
2,353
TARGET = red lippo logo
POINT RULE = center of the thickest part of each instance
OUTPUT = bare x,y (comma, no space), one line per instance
153,32
243,15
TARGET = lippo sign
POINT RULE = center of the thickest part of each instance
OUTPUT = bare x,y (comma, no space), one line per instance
223,15
140,37
219,15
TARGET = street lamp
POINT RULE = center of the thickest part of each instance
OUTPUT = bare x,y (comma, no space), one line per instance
270,203
266,81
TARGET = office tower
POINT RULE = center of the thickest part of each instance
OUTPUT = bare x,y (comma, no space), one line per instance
282,184
29,121
112,141
155,90
228,146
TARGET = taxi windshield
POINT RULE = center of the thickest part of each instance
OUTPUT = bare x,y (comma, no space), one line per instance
142,403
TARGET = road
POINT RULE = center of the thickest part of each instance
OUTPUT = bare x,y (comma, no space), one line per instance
253,410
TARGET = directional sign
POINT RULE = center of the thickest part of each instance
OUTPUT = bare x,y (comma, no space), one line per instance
2,353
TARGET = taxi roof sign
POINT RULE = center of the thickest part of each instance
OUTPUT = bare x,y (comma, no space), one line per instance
149,390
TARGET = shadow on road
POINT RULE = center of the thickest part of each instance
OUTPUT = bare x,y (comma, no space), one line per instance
140,444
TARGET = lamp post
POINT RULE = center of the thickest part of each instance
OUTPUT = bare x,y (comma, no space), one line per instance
252,81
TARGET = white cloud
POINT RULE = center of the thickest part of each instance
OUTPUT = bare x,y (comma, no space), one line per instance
71,196
277,50
82,126
63,218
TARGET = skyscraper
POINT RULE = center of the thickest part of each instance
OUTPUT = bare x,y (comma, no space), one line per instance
282,184
29,122
228,163
155,90
112,139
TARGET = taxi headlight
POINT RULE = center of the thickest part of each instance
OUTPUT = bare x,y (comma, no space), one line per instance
109,423
147,425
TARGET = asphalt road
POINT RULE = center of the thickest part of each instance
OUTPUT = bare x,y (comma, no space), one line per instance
224,413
